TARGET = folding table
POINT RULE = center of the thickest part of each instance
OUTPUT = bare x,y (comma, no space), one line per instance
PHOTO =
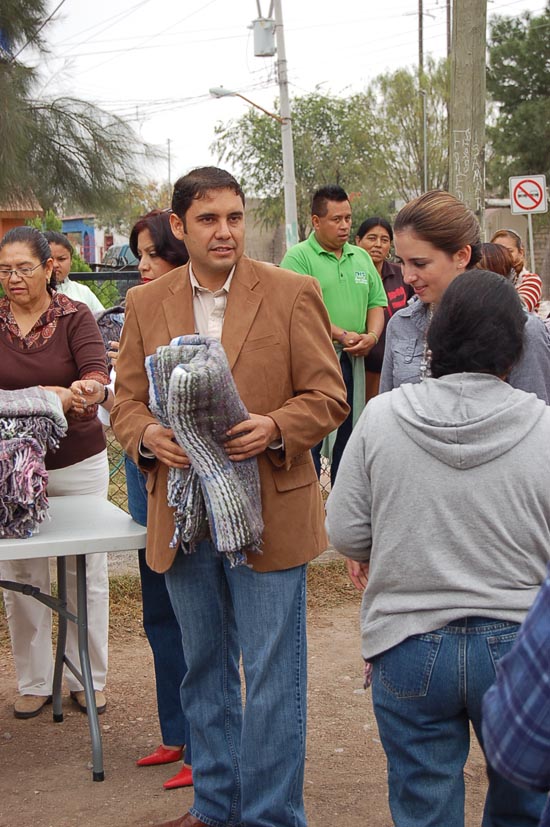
78,525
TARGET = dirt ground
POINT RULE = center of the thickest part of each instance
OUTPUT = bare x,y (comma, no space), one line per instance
45,777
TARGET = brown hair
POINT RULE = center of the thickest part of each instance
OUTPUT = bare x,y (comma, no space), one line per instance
496,258
516,238
442,220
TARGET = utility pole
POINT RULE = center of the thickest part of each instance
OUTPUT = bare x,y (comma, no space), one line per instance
449,12
420,39
168,142
291,212
467,109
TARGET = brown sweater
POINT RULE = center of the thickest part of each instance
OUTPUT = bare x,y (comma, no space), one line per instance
64,345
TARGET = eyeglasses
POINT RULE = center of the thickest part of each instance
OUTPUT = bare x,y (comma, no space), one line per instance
24,272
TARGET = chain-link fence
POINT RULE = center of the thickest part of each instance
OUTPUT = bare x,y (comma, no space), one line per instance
110,287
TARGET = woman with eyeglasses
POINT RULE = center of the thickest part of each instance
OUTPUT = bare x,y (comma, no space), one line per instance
49,339
528,285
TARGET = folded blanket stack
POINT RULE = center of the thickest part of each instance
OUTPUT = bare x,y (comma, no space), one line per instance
192,391
31,421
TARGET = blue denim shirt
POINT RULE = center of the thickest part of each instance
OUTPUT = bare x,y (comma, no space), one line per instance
406,333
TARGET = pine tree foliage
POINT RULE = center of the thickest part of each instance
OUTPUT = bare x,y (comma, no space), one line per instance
65,152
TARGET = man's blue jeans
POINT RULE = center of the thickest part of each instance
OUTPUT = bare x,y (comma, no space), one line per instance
161,627
426,691
248,765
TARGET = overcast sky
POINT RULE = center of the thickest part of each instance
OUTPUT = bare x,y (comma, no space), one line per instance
153,61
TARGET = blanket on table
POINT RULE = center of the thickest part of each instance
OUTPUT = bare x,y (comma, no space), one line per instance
31,422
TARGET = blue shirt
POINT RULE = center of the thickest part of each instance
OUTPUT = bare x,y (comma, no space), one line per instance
406,335
516,709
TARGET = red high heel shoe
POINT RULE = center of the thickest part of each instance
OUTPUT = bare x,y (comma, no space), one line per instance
184,778
161,756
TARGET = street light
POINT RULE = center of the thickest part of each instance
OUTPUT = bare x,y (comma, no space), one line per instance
222,92
291,213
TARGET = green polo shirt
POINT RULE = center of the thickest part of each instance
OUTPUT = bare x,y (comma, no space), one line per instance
351,284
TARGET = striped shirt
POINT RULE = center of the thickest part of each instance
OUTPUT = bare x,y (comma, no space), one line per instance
529,287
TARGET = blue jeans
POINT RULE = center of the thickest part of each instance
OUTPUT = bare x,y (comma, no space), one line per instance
345,429
248,766
161,627
426,691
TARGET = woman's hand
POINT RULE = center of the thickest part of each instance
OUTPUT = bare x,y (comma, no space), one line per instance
113,353
86,392
358,574
65,395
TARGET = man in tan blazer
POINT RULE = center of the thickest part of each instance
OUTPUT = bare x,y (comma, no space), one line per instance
247,765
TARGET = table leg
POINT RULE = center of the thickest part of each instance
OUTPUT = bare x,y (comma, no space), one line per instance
61,638
93,722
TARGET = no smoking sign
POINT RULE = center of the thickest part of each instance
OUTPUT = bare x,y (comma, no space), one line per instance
528,194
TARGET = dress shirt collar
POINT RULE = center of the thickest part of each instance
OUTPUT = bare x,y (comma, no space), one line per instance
198,287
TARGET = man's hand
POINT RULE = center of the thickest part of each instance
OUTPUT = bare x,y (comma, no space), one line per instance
358,574
251,437
160,441
363,344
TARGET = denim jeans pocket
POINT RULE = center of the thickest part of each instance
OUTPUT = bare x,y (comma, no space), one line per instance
500,645
406,669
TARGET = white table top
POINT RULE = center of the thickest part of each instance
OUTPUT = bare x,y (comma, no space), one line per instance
78,524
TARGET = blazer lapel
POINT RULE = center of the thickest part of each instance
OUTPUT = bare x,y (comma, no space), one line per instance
243,302
178,306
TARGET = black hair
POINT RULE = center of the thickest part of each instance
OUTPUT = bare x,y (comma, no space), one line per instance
322,196
477,327
58,238
36,242
197,183
167,246
371,223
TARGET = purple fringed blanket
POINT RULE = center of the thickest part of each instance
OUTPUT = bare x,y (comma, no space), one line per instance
31,421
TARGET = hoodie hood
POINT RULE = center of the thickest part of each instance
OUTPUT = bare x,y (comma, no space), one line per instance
465,419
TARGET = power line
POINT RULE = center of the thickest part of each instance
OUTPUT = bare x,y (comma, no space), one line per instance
37,32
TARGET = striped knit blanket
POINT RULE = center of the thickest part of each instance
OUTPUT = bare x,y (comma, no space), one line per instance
31,421
192,391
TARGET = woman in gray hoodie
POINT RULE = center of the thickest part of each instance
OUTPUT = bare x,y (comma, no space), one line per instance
465,458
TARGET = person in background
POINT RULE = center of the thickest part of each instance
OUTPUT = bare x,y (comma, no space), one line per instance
516,709
62,253
496,259
354,297
158,251
528,285
436,238
446,587
375,235
49,339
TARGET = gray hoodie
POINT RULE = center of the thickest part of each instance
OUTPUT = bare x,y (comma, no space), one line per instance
444,486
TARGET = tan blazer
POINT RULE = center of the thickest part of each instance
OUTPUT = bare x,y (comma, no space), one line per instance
276,335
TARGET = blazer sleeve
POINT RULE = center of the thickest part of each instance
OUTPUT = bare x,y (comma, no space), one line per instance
318,405
130,414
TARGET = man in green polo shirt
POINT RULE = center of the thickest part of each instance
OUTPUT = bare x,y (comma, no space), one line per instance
353,295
